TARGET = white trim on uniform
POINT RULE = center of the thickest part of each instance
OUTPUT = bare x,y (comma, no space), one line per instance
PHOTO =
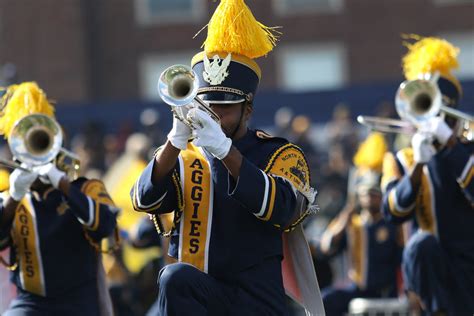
181,224
265,196
146,206
398,207
90,219
467,168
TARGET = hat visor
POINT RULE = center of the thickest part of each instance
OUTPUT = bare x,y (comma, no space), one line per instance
221,97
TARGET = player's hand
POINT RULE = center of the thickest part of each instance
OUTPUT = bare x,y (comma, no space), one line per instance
423,149
438,128
51,173
179,134
20,183
209,134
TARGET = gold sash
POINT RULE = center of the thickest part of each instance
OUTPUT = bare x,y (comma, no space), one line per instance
28,250
358,243
196,222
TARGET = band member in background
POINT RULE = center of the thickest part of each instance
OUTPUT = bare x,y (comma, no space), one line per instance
235,189
53,226
432,182
374,246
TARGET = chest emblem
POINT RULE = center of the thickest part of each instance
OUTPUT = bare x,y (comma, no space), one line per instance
381,235
61,209
215,72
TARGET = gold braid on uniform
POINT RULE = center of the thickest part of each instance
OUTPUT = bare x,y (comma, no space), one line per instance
160,229
298,221
97,245
9,266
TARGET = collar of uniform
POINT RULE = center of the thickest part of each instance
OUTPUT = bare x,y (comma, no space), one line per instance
243,143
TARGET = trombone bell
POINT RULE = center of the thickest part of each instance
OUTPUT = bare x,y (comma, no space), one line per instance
418,100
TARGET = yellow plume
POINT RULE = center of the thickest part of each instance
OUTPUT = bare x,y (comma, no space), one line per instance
234,29
371,152
4,180
19,101
430,55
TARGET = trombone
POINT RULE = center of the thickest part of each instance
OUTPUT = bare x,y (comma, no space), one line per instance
36,140
416,102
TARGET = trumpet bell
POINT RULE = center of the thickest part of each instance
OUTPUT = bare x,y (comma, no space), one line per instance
177,85
418,100
35,140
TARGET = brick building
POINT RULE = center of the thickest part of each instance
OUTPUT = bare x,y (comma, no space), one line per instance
114,49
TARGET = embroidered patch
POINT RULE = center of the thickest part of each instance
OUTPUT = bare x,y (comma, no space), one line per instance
96,190
215,72
290,163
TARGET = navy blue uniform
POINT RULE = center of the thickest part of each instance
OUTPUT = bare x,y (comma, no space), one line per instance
241,269
51,239
375,250
438,261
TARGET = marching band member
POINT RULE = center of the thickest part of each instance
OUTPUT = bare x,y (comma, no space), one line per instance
374,246
433,182
233,189
53,226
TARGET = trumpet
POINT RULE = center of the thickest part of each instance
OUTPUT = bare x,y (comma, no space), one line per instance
416,102
36,140
178,87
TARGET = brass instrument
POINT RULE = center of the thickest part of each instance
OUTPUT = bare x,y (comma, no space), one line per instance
178,88
36,140
416,102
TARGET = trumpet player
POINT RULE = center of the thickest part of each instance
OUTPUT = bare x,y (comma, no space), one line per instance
234,190
53,226
432,182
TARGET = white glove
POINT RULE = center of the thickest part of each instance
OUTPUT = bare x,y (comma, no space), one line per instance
423,149
20,182
438,127
179,134
209,134
52,173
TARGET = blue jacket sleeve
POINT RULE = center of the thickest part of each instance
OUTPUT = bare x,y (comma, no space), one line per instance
460,161
399,200
144,234
156,198
399,197
269,198
93,208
